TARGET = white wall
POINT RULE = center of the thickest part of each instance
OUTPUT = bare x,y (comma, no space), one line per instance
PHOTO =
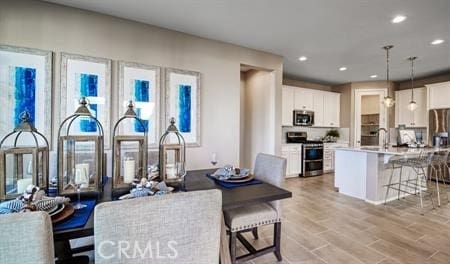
258,116
47,26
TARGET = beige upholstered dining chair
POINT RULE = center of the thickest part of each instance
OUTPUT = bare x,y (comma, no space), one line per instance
270,169
175,228
26,238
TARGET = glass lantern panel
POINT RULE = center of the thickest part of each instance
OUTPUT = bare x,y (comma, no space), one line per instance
79,166
172,138
18,173
130,162
172,163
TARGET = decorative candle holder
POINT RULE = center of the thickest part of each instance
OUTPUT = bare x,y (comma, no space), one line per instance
172,153
80,155
129,162
19,161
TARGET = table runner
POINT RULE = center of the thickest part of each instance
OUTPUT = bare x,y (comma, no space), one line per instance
79,218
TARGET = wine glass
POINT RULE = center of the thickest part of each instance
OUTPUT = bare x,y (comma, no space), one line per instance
79,205
214,158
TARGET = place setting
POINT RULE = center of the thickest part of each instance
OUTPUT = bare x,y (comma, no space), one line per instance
230,177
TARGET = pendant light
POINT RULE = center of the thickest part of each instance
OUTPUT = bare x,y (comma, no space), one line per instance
412,104
388,100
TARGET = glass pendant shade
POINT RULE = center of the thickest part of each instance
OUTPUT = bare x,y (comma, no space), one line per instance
388,100
412,106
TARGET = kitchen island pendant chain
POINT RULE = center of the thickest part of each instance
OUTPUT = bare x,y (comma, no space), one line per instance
388,100
412,104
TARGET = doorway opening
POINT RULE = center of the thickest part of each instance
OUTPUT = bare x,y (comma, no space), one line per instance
370,117
257,114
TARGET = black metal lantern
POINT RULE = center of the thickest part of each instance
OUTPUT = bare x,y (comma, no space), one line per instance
23,164
129,153
172,154
80,156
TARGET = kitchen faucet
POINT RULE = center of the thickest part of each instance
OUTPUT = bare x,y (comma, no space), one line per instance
386,136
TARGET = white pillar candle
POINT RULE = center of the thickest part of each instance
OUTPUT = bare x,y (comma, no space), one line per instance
170,171
128,170
22,184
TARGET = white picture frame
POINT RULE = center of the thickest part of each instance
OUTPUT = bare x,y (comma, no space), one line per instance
190,126
76,71
36,64
131,76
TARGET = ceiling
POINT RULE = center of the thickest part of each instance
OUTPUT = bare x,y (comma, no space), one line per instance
331,33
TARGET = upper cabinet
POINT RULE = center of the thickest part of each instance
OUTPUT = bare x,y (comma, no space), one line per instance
303,99
326,105
318,108
287,104
438,95
416,118
332,106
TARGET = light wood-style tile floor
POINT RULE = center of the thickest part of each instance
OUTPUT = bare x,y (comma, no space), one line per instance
322,226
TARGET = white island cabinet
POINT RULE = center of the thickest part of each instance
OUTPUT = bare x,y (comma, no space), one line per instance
328,155
363,172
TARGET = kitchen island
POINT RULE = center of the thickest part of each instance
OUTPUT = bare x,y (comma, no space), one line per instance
363,172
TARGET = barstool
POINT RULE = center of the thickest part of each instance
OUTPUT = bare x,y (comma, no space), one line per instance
439,162
418,165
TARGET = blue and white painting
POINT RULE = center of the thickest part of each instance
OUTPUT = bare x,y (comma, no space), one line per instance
89,77
141,95
140,83
183,103
184,108
25,85
24,93
89,89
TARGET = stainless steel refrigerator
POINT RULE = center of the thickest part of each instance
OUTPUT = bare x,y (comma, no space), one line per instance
439,127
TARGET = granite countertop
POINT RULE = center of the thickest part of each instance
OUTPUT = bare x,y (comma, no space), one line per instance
392,150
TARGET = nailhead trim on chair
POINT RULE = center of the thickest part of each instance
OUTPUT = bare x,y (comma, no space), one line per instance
268,222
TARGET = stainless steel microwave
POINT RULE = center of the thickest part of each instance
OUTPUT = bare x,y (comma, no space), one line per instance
303,118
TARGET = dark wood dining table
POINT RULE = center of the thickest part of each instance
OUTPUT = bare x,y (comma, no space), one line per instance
195,180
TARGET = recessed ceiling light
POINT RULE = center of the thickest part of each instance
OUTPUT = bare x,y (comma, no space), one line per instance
398,19
437,42
343,68
302,58
373,76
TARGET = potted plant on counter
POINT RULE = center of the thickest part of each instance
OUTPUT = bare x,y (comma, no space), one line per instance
331,136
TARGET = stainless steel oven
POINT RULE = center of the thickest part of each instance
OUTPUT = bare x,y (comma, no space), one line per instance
312,158
312,153
303,118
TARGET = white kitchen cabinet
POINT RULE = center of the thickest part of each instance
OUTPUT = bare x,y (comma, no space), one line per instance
318,108
303,99
331,109
328,156
325,105
403,116
438,95
293,155
287,105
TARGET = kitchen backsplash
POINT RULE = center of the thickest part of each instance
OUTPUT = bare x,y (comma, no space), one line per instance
316,132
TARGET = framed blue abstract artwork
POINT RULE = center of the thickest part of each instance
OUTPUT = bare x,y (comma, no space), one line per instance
183,103
140,83
25,85
90,77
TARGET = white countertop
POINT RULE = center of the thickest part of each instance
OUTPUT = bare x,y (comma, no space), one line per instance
391,150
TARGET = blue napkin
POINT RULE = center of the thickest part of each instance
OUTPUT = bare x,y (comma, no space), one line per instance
79,218
231,185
